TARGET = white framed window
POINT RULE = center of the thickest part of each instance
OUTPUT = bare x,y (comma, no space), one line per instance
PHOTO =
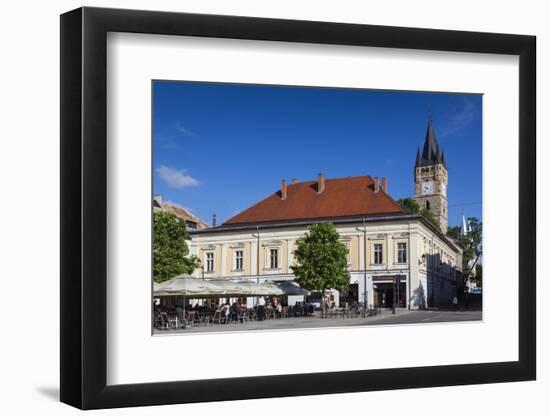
238,260
210,262
346,242
401,252
273,258
377,258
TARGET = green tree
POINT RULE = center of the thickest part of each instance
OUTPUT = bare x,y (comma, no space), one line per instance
321,260
410,206
170,250
471,243
454,232
479,275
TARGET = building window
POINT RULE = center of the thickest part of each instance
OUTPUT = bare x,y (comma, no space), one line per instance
377,253
238,264
273,258
401,253
210,262
427,205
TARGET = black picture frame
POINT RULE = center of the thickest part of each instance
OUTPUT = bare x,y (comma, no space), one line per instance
84,207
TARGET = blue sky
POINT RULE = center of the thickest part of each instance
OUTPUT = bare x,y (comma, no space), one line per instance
219,148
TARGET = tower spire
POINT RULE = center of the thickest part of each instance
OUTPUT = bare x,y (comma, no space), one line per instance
429,153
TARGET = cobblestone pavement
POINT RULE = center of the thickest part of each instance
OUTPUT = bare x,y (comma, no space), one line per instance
295,323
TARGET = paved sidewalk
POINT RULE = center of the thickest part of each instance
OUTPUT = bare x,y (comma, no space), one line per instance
386,317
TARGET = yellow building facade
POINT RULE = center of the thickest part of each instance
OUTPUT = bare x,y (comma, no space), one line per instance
380,250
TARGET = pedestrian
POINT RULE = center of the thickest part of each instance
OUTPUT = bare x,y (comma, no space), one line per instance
260,308
455,302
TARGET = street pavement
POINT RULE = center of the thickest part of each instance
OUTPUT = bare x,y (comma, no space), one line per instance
427,316
294,323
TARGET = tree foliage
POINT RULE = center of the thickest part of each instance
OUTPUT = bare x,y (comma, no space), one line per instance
321,259
170,250
479,275
471,243
410,206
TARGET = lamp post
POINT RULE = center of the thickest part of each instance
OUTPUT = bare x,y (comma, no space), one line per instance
365,293
257,236
396,285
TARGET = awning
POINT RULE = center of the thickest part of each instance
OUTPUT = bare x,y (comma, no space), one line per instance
292,288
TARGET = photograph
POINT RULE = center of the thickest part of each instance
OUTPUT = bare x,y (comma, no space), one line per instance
294,207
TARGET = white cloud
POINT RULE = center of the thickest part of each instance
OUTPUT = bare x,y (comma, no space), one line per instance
461,119
175,178
185,131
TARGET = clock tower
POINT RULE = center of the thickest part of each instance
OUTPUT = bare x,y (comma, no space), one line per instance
431,178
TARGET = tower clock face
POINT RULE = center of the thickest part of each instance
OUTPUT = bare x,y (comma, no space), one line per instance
427,188
443,188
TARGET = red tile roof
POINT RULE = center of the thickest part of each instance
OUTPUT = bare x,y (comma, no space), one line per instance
342,197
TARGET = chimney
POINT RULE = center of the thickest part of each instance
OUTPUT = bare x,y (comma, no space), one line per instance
283,190
376,185
384,184
320,183
214,220
294,181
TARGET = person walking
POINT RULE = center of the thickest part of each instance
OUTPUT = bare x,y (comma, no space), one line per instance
455,302
260,308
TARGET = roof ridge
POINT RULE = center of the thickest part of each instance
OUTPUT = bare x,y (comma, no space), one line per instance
343,196
332,179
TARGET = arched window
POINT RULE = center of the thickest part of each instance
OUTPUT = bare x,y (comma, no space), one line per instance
427,205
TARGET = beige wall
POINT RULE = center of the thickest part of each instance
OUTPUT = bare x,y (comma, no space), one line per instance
354,253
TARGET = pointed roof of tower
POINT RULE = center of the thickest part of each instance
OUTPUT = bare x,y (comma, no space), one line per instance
431,153
430,144
438,157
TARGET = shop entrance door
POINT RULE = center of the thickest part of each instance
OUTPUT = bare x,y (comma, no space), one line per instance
384,295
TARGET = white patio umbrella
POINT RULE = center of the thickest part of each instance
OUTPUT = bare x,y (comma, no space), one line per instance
270,289
231,288
187,286
252,288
